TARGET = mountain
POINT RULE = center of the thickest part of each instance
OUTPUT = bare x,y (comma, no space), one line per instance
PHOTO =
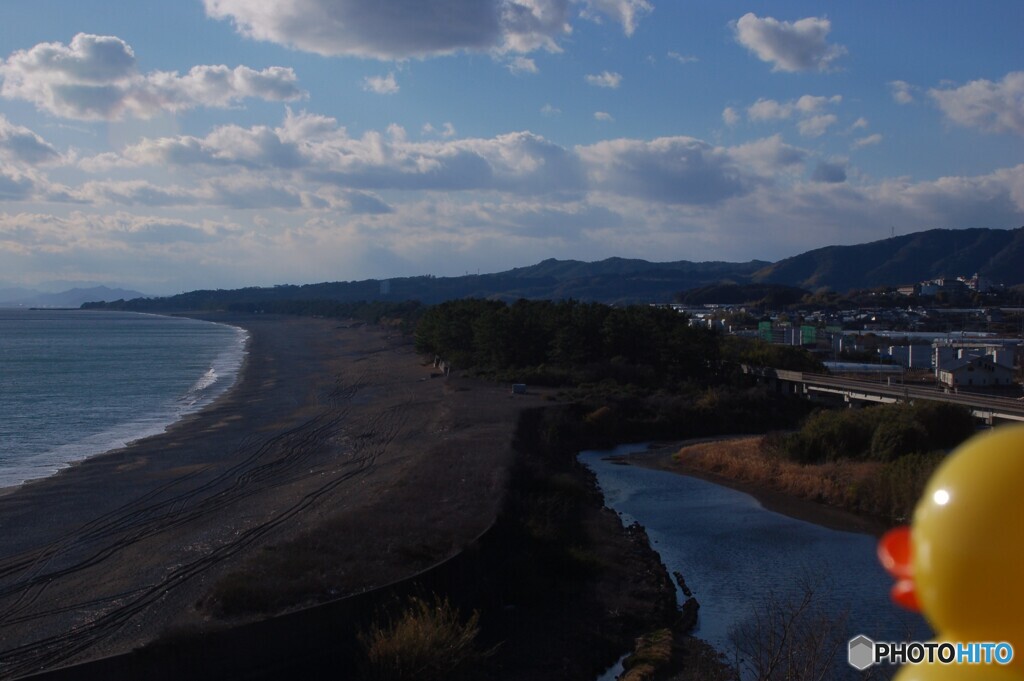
71,298
996,254
993,253
14,294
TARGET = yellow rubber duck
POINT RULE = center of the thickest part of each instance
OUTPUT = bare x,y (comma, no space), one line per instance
962,561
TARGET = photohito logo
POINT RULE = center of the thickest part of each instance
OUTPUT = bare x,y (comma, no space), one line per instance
863,652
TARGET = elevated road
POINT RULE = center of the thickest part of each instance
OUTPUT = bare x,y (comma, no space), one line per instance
988,408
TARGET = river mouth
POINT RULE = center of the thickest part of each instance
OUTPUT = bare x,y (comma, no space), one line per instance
737,556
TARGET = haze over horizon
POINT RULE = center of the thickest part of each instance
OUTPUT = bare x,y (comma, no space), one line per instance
225,143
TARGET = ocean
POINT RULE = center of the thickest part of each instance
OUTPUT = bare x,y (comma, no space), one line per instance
74,384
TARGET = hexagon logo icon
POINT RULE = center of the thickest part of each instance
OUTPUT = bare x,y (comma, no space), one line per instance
861,653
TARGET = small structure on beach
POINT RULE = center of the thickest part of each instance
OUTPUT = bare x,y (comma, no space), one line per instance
518,388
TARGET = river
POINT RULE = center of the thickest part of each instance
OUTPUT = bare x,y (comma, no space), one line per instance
735,554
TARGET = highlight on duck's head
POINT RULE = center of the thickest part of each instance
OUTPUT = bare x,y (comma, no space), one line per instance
967,541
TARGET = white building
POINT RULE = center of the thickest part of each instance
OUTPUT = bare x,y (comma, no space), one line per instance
911,356
975,372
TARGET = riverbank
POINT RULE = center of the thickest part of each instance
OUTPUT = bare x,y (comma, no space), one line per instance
755,477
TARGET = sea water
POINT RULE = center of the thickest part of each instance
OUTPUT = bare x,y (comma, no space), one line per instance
78,383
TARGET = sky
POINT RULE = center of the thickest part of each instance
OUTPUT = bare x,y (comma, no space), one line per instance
170,146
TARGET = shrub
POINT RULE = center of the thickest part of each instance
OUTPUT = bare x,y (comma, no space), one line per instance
947,424
427,641
894,492
832,435
884,433
898,434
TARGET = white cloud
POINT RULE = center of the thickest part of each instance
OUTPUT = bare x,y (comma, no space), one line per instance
788,46
902,91
769,109
985,105
256,147
683,170
626,12
809,104
381,85
773,222
808,110
324,154
768,157
682,58
549,110
520,65
83,230
390,199
96,78
399,29
18,143
608,79
832,172
859,124
15,185
816,126
603,116
447,130
289,166
729,116
679,197
868,141
88,247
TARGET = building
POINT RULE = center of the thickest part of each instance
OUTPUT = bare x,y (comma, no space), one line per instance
1004,352
911,356
946,285
976,372
909,290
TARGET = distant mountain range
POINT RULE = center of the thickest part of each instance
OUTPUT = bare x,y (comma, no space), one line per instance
993,253
21,297
996,254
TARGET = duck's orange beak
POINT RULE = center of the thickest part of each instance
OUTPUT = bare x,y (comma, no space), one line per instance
894,551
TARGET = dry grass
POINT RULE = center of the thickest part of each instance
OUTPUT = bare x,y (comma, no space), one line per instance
427,641
652,653
882,490
835,483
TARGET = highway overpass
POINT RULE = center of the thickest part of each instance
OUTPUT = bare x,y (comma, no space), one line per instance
990,409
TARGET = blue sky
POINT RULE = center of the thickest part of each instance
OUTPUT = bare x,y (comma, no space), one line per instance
220,143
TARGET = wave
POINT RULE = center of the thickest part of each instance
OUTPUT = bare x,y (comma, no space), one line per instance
205,381
196,392
219,377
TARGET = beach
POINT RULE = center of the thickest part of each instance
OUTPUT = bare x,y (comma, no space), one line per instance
328,420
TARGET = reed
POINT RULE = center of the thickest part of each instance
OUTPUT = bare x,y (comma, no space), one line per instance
887,490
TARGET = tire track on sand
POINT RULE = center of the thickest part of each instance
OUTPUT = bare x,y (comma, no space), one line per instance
275,462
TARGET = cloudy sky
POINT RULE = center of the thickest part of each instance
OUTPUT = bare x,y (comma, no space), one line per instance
222,143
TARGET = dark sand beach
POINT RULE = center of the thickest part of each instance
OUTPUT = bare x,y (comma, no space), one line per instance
326,420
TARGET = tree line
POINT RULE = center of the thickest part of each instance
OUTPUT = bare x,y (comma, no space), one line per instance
565,342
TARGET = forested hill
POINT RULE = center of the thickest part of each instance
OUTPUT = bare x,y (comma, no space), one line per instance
615,280
996,254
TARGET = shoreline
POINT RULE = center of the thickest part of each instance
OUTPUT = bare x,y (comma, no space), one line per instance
322,422
118,443
659,456
336,430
